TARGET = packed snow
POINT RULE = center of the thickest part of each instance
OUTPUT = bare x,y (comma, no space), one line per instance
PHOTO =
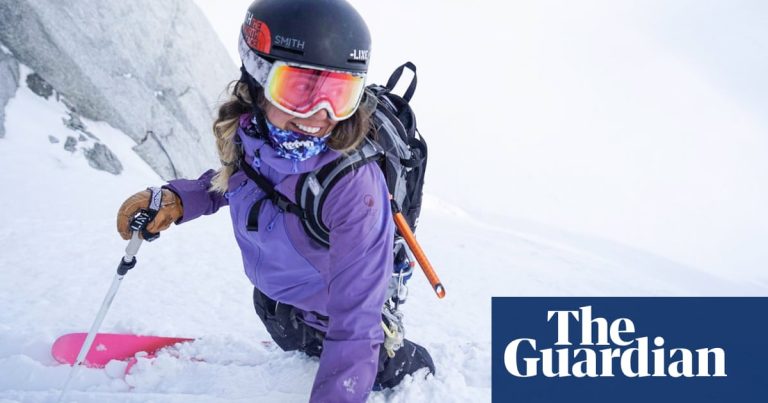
60,250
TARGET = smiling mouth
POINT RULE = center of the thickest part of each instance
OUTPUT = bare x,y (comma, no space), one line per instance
308,129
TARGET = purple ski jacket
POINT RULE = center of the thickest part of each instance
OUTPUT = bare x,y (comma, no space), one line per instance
347,282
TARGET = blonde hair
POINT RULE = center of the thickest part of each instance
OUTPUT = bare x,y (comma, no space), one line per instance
346,136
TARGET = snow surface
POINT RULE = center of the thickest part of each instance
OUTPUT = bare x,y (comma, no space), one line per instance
59,250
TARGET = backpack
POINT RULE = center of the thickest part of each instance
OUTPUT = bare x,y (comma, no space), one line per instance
394,142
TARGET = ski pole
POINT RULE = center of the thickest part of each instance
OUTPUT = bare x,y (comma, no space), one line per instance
126,263
421,257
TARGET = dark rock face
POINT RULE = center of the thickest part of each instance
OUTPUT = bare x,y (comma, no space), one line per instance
101,158
71,144
75,124
9,83
108,60
39,86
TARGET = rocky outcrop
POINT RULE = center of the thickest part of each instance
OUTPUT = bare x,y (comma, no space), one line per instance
101,158
39,86
71,144
142,66
9,82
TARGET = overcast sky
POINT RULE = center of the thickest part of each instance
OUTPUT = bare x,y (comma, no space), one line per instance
642,122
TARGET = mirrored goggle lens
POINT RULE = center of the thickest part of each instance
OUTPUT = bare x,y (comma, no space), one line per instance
303,91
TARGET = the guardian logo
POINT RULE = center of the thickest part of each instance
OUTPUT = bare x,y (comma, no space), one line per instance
607,349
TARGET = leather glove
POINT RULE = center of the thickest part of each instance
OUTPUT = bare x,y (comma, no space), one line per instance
137,214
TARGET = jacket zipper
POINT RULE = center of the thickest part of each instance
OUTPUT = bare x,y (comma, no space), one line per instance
271,224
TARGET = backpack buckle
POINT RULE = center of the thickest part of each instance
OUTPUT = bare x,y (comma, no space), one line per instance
282,203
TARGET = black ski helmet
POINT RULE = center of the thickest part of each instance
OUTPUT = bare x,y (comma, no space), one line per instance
322,33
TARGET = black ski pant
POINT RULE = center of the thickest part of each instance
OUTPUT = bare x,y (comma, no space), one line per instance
291,333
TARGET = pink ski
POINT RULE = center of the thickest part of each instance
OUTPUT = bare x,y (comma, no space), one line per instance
109,346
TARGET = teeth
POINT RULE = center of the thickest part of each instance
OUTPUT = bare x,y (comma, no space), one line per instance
308,129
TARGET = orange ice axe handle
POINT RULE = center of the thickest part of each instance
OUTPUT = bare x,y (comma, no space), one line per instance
410,239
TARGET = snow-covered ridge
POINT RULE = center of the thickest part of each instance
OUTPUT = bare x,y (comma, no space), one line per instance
155,70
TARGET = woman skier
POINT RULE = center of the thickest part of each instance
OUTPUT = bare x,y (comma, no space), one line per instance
299,105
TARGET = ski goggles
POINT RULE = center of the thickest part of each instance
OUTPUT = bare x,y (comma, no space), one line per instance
302,91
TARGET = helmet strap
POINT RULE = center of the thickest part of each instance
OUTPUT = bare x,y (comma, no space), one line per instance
253,90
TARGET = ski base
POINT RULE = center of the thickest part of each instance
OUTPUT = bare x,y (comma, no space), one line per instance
109,346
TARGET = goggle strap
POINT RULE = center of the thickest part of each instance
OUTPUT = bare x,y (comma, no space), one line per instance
244,79
261,122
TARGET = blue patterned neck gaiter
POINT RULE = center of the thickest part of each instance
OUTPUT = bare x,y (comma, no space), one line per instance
295,146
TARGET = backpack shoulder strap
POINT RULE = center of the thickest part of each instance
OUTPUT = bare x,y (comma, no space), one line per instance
313,187
279,199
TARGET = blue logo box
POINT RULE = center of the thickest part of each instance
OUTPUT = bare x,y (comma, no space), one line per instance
654,349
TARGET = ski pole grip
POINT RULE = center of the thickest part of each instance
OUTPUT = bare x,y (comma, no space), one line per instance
128,261
133,245
421,257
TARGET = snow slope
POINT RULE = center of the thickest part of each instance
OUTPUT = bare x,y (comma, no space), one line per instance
59,249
